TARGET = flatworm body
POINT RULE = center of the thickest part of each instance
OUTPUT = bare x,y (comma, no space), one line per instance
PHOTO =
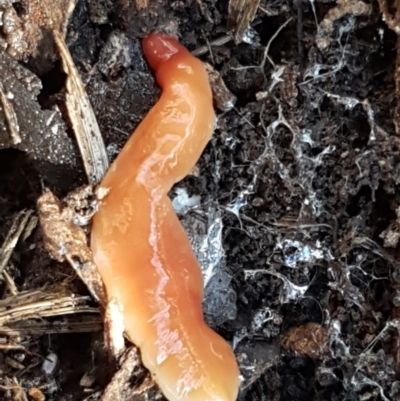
140,247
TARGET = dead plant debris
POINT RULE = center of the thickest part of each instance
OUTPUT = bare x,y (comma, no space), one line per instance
308,340
66,240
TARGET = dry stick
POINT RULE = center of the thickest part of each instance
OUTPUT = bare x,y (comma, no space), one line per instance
83,119
19,314
90,324
10,116
200,51
90,142
220,41
268,12
10,283
20,223
13,235
216,42
35,304
266,51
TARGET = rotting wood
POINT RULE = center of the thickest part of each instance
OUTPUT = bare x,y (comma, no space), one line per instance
241,14
83,119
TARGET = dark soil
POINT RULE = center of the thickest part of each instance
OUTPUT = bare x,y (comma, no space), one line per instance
303,174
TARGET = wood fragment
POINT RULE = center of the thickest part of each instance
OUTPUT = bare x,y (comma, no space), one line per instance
36,394
11,346
30,227
43,303
216,42
10,283
87,380
267,10
83,119
65,240
241,14
17,227
10,116
39,327
13,363
224,99
131,371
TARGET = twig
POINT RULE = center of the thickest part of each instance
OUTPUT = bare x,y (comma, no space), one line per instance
10,283
10,116
216,42
266,51
13,235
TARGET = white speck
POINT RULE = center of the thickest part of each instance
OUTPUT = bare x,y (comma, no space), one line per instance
182,202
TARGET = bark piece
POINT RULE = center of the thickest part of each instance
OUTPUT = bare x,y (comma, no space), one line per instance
241,14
